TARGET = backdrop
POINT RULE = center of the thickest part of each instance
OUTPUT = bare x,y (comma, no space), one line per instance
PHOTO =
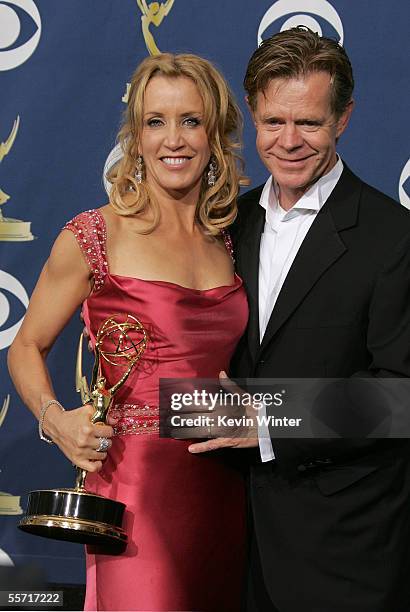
64,68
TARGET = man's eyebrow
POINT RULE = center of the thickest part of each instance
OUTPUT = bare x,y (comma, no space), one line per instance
275,118
315,120
266,118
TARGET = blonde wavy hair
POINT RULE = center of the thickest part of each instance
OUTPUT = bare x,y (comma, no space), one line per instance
216,208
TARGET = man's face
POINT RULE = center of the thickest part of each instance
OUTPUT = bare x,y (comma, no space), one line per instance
297,132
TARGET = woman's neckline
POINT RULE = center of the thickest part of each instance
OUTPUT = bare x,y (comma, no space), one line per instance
158,281
237,280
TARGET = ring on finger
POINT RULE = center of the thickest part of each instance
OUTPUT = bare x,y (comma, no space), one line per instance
103,445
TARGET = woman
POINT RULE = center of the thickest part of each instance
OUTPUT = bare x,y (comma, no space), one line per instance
157,251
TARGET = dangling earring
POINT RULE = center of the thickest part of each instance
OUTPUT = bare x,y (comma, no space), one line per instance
139,169
213,168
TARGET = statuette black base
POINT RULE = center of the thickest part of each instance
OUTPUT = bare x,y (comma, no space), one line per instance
75,516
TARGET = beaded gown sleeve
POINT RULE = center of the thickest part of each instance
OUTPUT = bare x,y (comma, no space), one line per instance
91,236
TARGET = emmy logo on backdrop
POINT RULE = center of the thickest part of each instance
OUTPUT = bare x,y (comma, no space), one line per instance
9,504
12,230
152,13
75,514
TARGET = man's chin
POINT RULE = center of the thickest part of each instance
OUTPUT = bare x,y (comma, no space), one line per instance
293,180
297,178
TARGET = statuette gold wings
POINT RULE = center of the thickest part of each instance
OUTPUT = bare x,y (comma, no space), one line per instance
4,408
6,146
153,13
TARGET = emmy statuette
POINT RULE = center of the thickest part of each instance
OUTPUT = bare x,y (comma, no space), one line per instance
75,514
12,230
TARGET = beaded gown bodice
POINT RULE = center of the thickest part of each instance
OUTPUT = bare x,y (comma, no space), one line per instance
192,333
185,516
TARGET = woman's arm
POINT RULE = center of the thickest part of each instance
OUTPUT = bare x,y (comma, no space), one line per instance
64,283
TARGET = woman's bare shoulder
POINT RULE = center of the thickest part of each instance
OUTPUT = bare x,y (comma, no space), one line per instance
106,211
117,223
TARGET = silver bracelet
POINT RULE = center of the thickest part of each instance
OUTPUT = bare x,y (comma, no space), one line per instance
43,411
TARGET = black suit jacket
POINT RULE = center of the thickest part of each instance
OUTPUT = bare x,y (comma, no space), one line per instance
343,311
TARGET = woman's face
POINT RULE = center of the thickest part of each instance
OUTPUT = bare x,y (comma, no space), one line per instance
174,143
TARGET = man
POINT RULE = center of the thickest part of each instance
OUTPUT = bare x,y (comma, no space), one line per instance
325,259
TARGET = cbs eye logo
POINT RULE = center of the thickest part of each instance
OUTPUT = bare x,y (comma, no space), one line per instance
5,559
17,17
10,289
404,185
306,14
113,157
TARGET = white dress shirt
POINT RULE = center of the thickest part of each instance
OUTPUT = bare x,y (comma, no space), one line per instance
282,237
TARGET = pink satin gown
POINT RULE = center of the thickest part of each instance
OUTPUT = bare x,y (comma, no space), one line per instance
185,514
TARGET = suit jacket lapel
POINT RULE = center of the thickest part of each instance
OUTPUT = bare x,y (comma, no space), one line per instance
248,266
320,249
